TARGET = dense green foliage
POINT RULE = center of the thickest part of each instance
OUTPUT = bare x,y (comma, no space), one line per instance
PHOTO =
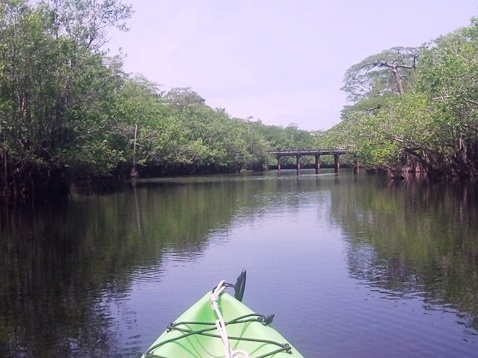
415,109
68,110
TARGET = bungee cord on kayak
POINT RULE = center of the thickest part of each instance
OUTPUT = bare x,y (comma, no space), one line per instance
187,332
221,325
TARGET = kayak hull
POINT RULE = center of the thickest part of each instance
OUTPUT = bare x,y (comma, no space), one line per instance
194,333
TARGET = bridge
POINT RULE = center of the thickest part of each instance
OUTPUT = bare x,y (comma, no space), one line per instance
315,152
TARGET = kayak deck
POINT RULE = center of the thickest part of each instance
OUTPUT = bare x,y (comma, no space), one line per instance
195,333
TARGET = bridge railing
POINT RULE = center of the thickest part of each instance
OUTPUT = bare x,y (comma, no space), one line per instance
303,152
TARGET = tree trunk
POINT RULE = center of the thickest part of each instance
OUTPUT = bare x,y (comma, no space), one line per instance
5,173
134,171
398,81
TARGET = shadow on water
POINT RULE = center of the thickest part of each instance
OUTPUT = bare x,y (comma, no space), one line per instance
52,274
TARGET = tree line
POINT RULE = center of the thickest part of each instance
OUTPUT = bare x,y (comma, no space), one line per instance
414,109
68,110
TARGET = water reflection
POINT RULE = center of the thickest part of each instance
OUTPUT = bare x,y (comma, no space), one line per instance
415,238
48,308
68,268
85,277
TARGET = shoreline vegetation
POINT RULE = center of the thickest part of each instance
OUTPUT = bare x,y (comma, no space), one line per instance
69,112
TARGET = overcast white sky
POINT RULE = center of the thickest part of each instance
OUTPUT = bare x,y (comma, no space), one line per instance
279,61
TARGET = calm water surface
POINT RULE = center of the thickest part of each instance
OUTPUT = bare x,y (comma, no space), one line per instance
352,266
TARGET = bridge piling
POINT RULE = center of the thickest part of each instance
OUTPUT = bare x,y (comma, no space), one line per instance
317,164
357,167
336,163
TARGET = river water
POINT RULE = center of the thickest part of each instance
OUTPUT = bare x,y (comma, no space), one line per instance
351,265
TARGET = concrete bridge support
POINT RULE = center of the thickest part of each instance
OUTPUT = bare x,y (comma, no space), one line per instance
357,167
317,164
336,163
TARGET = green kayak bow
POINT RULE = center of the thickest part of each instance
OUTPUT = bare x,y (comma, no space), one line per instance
221,326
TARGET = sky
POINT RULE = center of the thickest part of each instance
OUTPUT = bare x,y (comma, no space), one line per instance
278,61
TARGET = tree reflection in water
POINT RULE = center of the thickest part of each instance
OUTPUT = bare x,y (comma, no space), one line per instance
415,239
